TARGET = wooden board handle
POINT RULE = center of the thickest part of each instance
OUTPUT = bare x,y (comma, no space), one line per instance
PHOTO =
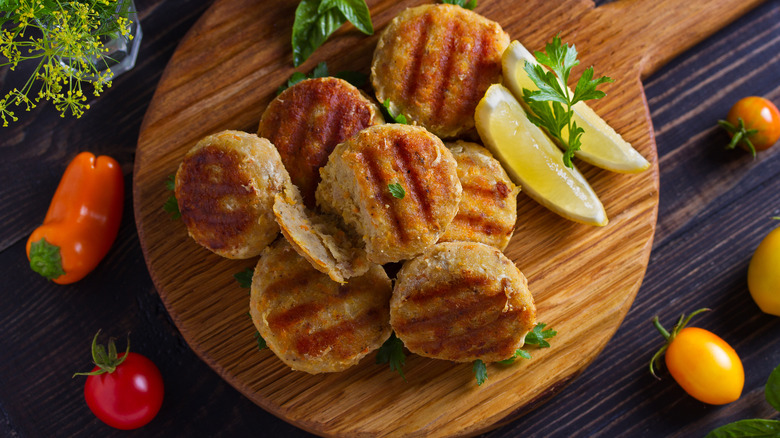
659,30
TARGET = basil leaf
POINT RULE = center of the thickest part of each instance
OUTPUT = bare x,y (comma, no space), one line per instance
316,20
748,428
356,11
311,28
468,4
772,389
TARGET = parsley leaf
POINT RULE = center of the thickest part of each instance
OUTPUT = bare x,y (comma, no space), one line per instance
260,341
468,4
392,352
480,371
244,278
518,353
400,118
171,205
552,103
397,190
316,20
538,335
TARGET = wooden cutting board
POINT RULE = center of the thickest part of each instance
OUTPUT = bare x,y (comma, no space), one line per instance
584,279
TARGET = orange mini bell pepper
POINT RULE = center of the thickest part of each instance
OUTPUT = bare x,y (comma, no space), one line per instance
82,221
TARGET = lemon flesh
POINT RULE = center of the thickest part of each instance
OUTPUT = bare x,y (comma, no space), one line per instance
533,161
601,145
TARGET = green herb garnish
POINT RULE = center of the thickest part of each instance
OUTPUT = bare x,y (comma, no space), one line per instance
316,20
392,352
756,427
552,103
468,4
400,118
355,78
261,345
171,205
535,337
244,278
396,190
480,371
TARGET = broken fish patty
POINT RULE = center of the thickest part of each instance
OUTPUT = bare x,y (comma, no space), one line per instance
488,208
435,62
462,301
355,185
312,323
306,121
225,188
319,238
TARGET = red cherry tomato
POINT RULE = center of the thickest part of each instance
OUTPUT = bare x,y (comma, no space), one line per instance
125,391
757,114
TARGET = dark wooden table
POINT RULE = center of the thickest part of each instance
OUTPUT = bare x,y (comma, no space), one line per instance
715,208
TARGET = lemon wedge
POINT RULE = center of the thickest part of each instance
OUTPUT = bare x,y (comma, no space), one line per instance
601,145
533,161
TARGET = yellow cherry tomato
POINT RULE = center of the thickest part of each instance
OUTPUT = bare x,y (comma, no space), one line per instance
705,366
764,274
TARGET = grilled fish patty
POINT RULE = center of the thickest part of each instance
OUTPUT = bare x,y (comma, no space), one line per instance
225,188
435,62
312,323
462,301
355,184
306,121
488,209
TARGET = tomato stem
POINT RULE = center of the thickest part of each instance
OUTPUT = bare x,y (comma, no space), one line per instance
661,328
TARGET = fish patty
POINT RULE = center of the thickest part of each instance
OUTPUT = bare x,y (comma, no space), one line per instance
433,63
306,121
312,323
225,188
319,238
462,301
355,185
488,209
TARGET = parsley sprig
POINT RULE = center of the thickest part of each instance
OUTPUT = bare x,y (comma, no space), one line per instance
392,352
244,278
171,205
398,118
536,337
397,190
552,103
316,20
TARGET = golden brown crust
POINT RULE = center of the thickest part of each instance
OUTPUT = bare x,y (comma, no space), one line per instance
462,301
435,62
355,185
312,323
225,188
306,121
488,209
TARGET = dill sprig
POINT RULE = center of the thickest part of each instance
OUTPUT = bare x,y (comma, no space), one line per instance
48,31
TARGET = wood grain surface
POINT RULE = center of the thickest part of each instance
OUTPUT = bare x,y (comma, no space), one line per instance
584,279
715,207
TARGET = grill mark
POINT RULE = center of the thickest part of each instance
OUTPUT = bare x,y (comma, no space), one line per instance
481,223
200,200
284,320
413,178
293,282
340,337
450,288
369,161
463,345
438,318
499,193
471,86
411,78
445,67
